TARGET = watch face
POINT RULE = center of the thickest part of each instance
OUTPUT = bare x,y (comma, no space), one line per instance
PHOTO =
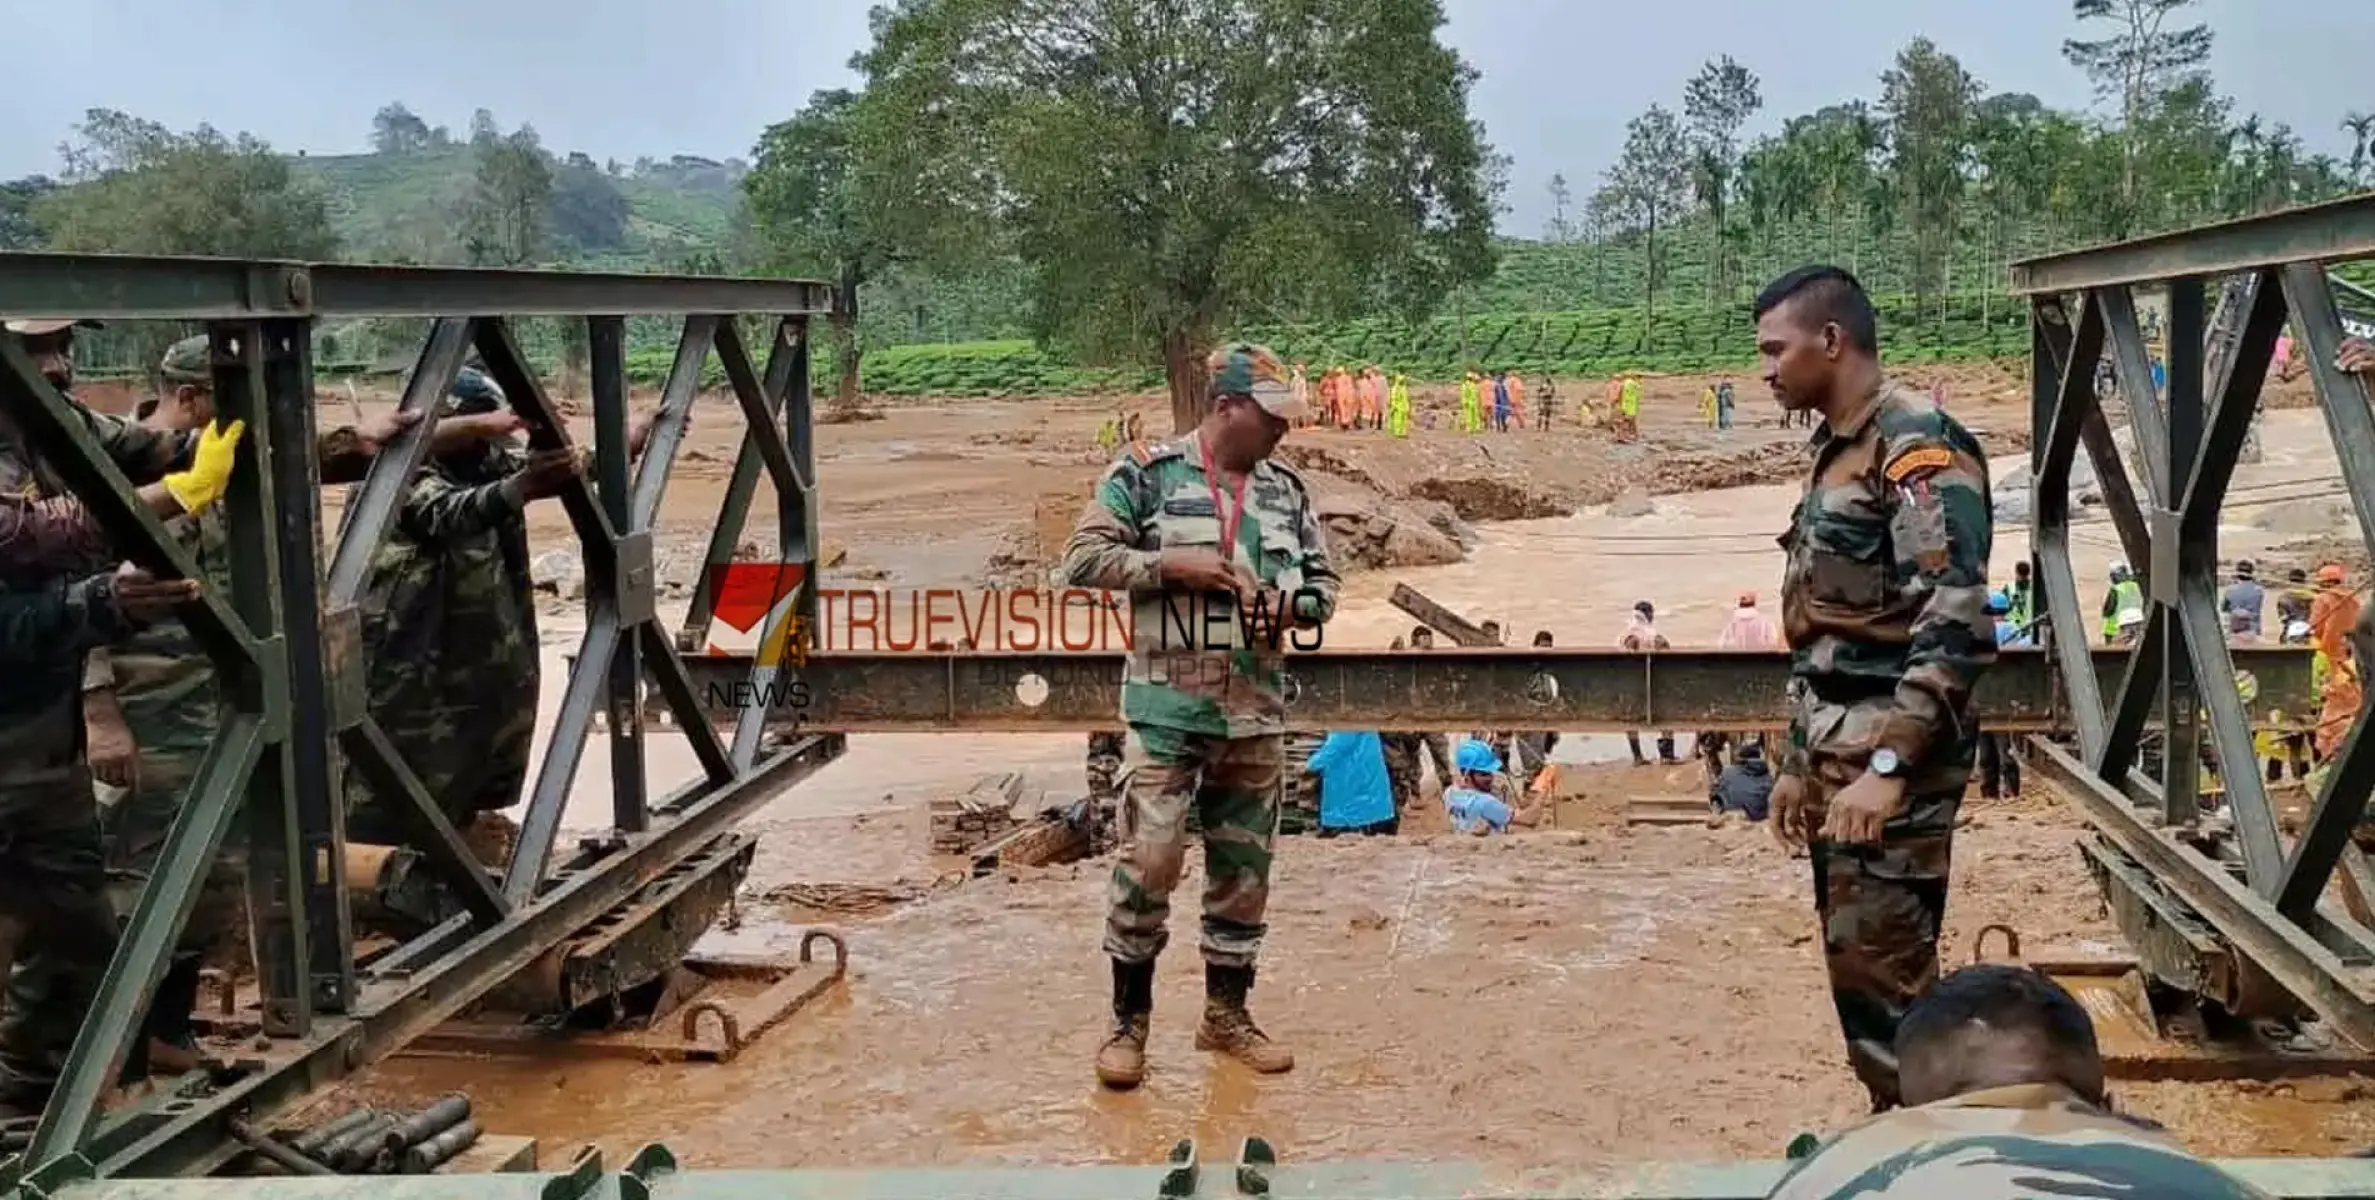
1884,761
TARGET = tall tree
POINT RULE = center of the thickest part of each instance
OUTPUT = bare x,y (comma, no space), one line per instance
1715,104
815,209
508,215
2361,128
395,130
2139,62
1561,228
1650,184
1170,168
140,188
1926,99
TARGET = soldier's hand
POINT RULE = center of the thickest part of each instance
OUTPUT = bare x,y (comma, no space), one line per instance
144,597
548,472
378,431
640,436
1860,809
1788,815
1201,568
2357,356
114,757
456,433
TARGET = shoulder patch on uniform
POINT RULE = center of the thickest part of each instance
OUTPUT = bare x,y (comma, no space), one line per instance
1142,453
1147,454
1915,461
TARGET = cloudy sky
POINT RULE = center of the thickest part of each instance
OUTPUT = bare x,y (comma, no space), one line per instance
623,78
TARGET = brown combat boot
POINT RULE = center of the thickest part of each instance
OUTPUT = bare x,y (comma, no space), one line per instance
1121,1061
1229,1029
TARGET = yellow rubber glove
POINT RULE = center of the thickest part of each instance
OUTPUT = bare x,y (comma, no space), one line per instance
210,468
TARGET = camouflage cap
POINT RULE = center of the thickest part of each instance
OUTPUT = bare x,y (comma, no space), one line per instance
187,361
1244,369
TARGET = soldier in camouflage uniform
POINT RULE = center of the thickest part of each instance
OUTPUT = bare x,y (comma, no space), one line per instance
2006,1084
1884,600
55,930
1185,526
449,624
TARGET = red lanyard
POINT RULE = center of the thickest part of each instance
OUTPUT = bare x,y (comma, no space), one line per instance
1231,513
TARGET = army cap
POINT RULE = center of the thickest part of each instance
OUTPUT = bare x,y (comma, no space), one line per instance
187,361
34,327
1244,369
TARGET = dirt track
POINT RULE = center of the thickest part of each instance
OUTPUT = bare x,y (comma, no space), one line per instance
1584,996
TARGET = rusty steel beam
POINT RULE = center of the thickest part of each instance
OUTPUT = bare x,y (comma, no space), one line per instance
1516,688
2336,230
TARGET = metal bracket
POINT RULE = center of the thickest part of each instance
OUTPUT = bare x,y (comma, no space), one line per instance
1179,1181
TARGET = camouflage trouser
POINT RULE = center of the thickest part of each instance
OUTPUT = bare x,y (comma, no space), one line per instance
1233,785
1438,746
1880,908
1105,763
133,830
1402,768
55,928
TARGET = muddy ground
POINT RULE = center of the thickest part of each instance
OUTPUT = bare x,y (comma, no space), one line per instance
1588,995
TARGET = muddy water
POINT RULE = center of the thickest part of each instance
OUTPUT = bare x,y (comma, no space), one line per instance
1576,997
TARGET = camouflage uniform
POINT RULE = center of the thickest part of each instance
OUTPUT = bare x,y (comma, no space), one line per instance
1884,603
54,920
1104,767
1402,769
449,630
1208,721
2007,1142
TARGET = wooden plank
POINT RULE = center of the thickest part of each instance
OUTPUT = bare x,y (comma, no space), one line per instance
1438,618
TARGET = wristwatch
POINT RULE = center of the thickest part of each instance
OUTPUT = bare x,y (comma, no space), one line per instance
1884,763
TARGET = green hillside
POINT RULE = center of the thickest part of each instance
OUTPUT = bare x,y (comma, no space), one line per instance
651,217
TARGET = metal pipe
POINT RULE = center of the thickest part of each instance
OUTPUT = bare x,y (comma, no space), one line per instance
313,1141
270,1147
428,1123
440,1150
356,1149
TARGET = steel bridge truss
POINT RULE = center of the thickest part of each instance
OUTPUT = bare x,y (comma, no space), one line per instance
2259,894
287,645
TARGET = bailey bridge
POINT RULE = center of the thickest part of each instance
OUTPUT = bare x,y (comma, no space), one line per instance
2224,904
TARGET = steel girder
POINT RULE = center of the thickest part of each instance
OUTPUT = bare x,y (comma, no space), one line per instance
287,642
2264,898
653,1174
1514,687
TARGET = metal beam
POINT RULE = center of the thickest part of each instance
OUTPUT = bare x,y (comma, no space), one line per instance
134,287
654,1173
2339,229
388,1014
1516,688
2342,994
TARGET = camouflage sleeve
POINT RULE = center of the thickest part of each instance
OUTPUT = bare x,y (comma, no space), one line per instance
1943,531
1103,551
438,508
1315,601
36,624
41,538
143,454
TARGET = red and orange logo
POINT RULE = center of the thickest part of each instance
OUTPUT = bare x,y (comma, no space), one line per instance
748,596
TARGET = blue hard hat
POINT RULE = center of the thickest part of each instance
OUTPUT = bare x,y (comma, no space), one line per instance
1999,601
1476,756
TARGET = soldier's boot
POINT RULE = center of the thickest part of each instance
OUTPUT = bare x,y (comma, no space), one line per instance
1229,1028
171,1042
1121,1061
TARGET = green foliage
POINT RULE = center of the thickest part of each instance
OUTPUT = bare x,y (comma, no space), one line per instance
140,188
507,214
1591,343
1169,170
18,230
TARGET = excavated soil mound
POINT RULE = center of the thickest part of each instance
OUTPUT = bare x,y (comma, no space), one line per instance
1486,499
1775,463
